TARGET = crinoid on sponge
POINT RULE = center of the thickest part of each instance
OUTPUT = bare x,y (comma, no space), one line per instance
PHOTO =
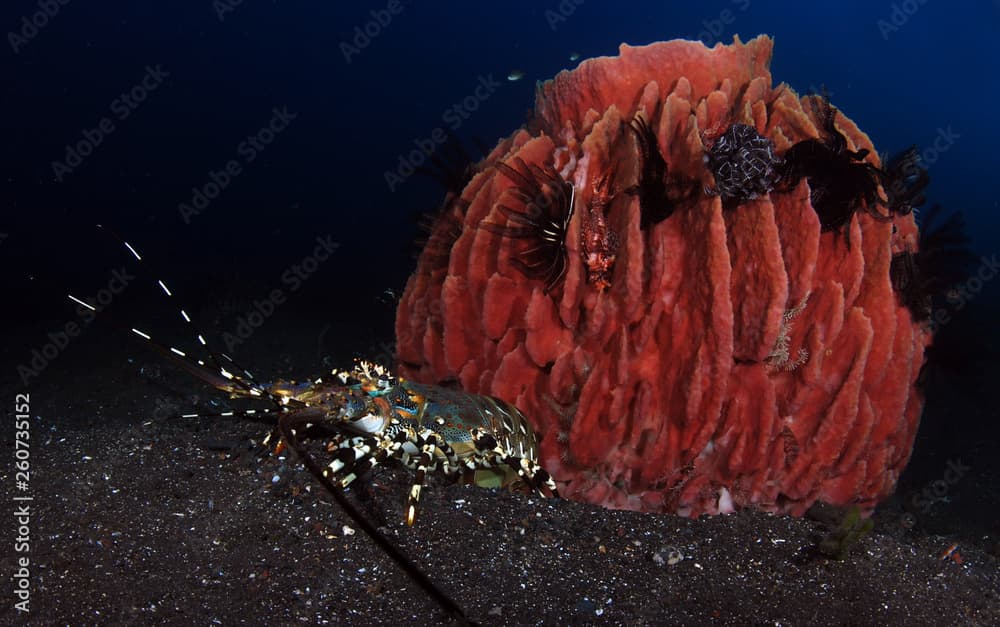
675,356
743,163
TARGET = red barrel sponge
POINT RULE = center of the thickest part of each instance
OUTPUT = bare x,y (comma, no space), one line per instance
681,275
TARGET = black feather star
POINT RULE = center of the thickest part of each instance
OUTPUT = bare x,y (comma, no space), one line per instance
942,261
841,182
904,181
654,204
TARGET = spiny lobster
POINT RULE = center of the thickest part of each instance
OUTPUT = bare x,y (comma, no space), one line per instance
368,417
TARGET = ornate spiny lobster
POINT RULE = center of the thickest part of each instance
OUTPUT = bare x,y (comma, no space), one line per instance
367,417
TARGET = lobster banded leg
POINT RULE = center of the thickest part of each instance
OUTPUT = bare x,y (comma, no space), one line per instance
533,475
349,459
351,453
357,455
537,477
431,444
492,454
347,454
288,425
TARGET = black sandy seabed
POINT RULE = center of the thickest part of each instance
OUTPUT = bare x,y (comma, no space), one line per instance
141,517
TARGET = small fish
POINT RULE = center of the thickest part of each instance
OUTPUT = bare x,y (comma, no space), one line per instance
515,75
389,296
574,56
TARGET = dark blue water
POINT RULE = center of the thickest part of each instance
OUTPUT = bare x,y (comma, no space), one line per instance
906,72
132,113
162,99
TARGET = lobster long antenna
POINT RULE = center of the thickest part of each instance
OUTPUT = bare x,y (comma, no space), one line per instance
287,424
250,385
195,368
